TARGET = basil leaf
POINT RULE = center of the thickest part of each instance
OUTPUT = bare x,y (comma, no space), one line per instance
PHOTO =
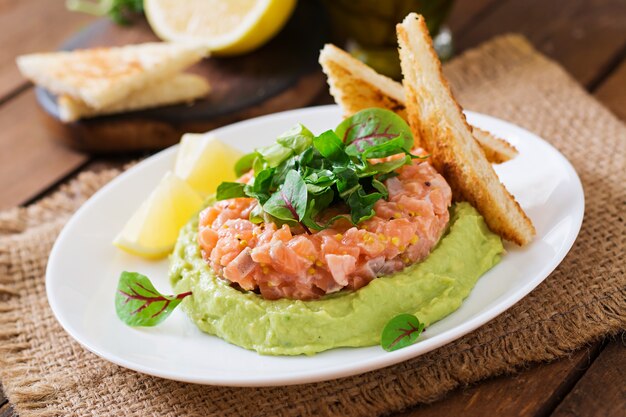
298,138
362,205
257,215
228,190
331,147
274,154
401,331
301,174
388,166
315,205
380,187
290,201
244,164
138,303
281,171
347,181
259,187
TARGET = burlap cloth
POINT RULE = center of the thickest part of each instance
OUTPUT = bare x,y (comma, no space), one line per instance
44,372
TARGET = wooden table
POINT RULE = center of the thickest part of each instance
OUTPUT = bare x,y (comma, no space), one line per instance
588,37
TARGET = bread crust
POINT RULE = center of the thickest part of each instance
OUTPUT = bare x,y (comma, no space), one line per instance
439,122
179,88
355,86
103,76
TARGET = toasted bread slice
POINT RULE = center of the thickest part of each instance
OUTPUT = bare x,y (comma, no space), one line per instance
439,122
180,88
103,76
355,86
496,150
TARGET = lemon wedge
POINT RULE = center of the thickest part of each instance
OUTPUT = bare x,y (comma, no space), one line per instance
152,230
230,27
204,161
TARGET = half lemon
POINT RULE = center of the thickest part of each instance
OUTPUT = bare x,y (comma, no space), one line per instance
230,27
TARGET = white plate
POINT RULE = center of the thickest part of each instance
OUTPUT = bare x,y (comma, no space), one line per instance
84,268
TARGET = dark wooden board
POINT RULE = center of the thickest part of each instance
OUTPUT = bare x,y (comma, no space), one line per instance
281,75
602,389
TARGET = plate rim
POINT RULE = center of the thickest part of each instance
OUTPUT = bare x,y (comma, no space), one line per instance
320,374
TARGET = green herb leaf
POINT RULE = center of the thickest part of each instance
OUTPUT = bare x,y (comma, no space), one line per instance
259,188
385,167
362,205
298,138
380,187
301,175
228,190
401,331
257,215
331,147
245,163
274,154
289,203
373,128
138,303
280,172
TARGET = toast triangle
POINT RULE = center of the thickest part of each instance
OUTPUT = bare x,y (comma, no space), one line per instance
438,120
356,86
180,88
102,76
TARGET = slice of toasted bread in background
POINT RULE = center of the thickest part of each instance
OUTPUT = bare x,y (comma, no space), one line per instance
103,76
437,118
355,86
180,88
496,150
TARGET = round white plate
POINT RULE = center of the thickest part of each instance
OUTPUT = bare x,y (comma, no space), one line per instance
84,267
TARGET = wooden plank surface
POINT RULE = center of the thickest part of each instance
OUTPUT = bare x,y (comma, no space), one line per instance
7,411
31,160
585,36
465,14
612,93
602,389
31,26
533,392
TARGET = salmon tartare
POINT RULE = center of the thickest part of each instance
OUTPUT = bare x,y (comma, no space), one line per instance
286,262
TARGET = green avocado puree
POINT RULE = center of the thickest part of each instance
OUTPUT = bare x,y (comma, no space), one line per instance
431,290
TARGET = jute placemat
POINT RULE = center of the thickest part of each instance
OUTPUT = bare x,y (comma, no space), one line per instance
44,372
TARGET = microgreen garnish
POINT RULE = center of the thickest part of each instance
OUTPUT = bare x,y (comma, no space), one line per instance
138,303
301,174
401,331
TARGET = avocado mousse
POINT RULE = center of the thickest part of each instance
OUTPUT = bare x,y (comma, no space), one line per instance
431,290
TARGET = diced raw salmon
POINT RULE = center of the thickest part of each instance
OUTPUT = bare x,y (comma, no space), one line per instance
284,262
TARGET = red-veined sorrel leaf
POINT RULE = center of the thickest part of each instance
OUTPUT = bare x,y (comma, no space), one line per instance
378,133
290,201
138,303
401,331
